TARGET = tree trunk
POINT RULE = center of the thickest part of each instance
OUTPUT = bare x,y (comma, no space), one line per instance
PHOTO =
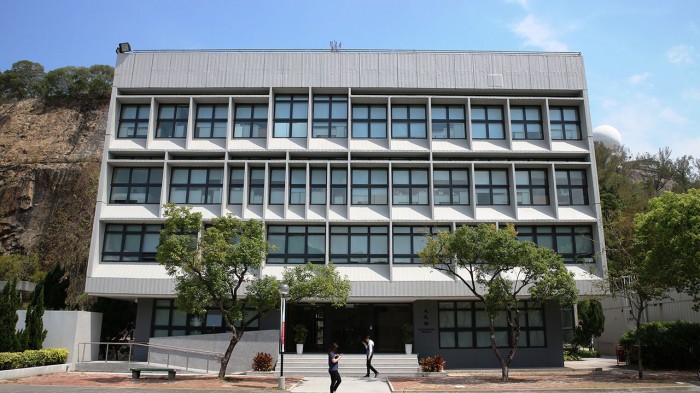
501,361
638,337
227,355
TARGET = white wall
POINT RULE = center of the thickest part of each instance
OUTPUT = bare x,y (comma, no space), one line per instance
67,329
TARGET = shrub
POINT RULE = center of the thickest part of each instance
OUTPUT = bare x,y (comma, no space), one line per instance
407,333
432,364
571,356
665,344
300,333
262,362
32,358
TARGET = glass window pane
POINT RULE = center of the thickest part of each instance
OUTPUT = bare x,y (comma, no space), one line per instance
401,176
495,113
321,110
447,319
300,110
221,112
359,176
339,176
360,130
399,112
537,338
418,130
456,112
447,340
439,113
283,110
499,177
379,177
340,110
478,113
379,244
299,130
417,112
399,130
360,112
479,130
465,339
358,244
496,131
378,112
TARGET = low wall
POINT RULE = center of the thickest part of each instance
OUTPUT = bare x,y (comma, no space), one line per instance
66,329
241,359
34,371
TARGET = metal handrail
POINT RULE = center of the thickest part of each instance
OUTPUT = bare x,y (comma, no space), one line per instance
217,355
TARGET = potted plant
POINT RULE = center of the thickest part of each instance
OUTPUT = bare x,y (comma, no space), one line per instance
300,333
407,335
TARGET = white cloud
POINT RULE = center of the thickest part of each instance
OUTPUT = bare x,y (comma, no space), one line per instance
538,34
635,79
670,115
682,54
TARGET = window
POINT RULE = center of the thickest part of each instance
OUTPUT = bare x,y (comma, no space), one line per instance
410,187
330,117
564,123
296,244
359,244
573,243
408,121
256,186
196,185
133,121
448,122
491,187
172,121
297,186
339,186
168,320
370,187
409,241
136,185
487,122
318,186
235,193
130,243
526,122
532,187
211,121
467,325
369,121
250,121
291,115
572,188
451,187
277,183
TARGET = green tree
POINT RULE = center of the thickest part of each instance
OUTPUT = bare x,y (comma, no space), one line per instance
212,267
74,82
22,81
9,303
55,286
34,334
591,322
500,271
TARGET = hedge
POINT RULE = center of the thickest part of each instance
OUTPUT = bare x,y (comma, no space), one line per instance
666,344
32,358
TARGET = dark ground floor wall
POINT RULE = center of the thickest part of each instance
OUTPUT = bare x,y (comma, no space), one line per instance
381,321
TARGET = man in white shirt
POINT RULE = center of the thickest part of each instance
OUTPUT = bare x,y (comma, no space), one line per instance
369,350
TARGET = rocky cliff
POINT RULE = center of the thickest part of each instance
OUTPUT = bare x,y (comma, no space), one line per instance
49,168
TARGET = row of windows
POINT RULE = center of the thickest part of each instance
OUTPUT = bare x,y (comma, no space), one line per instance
466,325
368,186
330,120
168,320
297,244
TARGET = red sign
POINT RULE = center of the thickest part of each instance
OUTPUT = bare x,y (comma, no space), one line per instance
282,334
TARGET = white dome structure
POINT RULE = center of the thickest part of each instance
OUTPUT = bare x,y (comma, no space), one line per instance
607,134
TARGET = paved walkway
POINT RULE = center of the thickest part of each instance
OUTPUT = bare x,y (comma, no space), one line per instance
349,384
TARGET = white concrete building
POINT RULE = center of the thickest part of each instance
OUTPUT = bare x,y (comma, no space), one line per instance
351,157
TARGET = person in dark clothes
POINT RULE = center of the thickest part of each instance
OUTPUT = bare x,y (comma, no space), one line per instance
333,359
369,351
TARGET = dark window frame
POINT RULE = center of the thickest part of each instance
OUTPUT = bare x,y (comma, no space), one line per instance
369,186
409,121
354,232
212,121
284,257
247,123
288,119
190,328
331,122
552,235
491,187
125,230
532,187
411,186
447,122
336,187
256,185
274,185
451,187
131,185
414,233
236,183
138,123
569,188
296,186
488,122
313,185
173,122
562,123
370,121
206,185
527,123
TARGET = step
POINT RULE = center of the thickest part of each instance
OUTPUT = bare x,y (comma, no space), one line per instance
351,365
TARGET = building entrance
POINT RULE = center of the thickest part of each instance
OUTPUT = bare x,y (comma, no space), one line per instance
347,326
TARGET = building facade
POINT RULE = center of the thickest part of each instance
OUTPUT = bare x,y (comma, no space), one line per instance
351,157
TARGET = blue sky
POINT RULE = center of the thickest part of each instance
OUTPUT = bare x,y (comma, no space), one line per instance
642,57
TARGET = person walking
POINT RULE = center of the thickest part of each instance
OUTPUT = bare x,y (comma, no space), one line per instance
333,359
369,351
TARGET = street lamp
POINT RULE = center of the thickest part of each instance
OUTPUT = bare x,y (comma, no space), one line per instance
284,291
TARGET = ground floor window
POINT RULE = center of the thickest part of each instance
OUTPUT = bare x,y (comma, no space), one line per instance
466,325
169,321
